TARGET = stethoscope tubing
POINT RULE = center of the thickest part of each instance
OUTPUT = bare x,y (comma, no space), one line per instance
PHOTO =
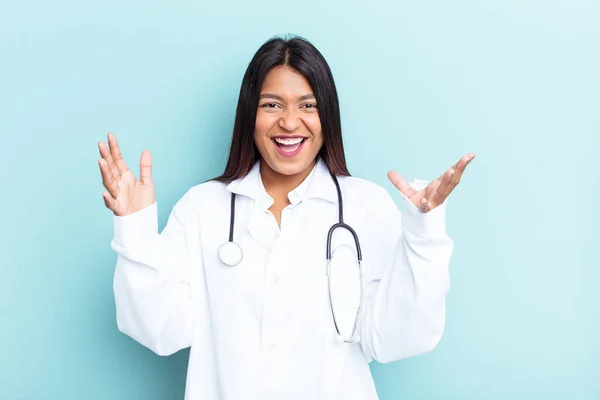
340,224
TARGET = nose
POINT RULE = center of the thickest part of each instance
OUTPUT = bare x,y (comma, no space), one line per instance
289,120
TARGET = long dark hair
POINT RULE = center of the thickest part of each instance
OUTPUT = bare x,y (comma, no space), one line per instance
299,54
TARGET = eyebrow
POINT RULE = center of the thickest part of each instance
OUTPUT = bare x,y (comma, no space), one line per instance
276,97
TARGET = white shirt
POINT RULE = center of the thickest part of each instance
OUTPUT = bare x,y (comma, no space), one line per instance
263,329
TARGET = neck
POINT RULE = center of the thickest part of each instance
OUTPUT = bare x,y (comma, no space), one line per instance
278,185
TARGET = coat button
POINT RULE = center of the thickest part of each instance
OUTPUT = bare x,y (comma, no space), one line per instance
276,280
273,347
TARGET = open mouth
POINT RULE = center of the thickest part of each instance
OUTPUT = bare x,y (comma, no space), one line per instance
289,146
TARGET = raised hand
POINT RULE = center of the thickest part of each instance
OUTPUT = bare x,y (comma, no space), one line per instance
125,194
437,191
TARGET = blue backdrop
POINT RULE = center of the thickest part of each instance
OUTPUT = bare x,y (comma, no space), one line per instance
421,84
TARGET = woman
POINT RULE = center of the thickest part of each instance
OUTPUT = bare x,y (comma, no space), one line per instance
258,317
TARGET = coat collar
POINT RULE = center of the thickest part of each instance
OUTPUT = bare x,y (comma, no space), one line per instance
318,184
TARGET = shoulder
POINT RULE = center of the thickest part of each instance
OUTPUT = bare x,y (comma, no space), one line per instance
208,188
365,190
371,210
206,195
368,201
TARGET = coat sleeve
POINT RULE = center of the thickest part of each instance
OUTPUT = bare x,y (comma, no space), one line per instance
152,279
406,281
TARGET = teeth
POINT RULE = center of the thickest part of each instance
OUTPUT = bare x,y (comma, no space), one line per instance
289,142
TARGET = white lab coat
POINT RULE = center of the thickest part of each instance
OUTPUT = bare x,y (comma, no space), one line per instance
263,329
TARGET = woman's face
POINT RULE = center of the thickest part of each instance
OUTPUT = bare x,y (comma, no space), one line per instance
288,130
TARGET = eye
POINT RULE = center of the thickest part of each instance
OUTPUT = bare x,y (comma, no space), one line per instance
269,105
309,106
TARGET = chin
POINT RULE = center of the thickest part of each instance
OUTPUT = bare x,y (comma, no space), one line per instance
289,167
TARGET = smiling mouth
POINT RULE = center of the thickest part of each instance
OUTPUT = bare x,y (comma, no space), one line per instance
289,145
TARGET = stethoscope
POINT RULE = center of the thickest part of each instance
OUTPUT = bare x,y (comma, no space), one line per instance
231,254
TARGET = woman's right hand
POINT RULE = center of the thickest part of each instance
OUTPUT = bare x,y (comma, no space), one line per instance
125,194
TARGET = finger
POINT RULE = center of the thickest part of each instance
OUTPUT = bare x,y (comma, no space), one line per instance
113,204
146,168
401,184
460,167
425,203
109,202
444,189
107,179
451,178
105,153
116,153
430,190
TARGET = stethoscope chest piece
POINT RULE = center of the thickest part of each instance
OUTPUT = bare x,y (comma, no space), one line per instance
230,253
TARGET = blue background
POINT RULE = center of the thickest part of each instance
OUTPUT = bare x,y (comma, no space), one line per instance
420,86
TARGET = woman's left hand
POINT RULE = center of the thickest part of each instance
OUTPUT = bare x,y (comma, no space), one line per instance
437,191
